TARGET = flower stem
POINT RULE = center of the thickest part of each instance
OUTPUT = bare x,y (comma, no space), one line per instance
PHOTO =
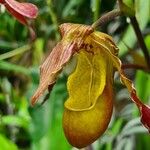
106,17
140,39
90,147
114,13
134,66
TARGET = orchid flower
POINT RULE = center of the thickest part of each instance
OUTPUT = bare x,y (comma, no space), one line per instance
88,109
21,11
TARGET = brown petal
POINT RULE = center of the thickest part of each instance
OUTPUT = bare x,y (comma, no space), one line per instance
60,55
51,67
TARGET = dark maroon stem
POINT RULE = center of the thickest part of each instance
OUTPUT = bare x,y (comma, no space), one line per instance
140,40
134,66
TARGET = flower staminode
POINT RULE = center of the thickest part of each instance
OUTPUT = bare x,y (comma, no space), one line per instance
88,109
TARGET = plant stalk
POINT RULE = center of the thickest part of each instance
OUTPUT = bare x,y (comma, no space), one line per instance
134,66
140,39
106,17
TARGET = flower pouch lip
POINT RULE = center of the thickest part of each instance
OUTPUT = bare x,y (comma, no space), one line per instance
88,109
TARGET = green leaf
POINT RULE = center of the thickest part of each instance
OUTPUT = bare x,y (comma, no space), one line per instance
142,8
39,123
70,7
15,52
38,51
95,6
117,126
142,141
127,36
55,133
147,42
6,144
6,66
14,120
142,84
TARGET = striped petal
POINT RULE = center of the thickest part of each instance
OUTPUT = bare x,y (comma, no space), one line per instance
24,9
60,55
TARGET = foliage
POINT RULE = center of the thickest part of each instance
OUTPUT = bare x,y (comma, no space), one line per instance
40,128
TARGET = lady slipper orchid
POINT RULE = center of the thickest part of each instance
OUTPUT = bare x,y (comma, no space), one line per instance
89,107
21,11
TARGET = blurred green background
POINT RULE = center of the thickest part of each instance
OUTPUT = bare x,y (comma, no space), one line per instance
23,127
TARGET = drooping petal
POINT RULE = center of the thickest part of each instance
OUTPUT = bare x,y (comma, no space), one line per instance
25,9
22,11
51,67
22,20
17,15
60,55
145,116
144,109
